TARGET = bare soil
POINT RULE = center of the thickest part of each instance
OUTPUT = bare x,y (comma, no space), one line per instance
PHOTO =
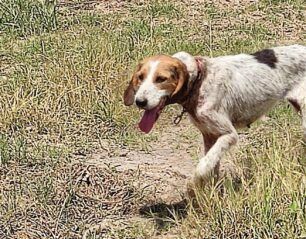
164,168
163,173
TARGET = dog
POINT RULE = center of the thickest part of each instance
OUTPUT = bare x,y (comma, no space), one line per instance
220,94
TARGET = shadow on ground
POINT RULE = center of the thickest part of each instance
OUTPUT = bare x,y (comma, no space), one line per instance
164,214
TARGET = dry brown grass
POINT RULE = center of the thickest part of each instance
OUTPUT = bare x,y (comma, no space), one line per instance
60,100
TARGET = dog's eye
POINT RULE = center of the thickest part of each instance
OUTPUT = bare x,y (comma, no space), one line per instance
160,79
140,77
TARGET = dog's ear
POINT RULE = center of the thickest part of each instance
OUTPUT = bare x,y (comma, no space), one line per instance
182,75
130,91
129,94
190,63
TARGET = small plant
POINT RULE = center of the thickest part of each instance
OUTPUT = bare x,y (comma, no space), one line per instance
4,150
12,149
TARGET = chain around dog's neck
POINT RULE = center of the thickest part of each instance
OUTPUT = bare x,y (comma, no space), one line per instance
200,66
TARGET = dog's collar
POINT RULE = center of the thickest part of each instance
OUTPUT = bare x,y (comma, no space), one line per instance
200,65
190,88
192,85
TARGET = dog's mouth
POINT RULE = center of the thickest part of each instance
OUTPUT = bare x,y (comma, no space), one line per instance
150,117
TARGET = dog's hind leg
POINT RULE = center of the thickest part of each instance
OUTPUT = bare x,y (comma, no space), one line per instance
297,98
300,107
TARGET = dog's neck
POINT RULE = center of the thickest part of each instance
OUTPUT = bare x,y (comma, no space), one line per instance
188,95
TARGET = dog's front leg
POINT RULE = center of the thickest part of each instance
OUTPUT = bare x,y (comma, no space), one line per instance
228,136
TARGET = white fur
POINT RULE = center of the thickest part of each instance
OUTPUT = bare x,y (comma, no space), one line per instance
239,89
190,63
235,91
148,89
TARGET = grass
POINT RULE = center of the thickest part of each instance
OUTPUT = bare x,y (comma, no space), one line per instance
24,18
62,74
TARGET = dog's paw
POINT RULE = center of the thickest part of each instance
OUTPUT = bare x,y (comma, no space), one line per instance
204,171
194,185
201,171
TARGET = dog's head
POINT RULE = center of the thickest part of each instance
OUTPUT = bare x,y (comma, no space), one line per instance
155,80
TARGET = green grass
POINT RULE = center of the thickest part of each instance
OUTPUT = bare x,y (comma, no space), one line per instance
62,74
30,17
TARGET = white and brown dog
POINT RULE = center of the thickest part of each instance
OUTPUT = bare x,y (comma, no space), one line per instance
219,94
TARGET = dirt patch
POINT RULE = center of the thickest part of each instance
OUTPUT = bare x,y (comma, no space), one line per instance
165,169
163,172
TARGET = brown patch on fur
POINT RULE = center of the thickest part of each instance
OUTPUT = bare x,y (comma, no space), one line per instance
174,73
295,104
266,56
129,94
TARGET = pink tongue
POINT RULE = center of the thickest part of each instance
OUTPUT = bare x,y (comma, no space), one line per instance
148,119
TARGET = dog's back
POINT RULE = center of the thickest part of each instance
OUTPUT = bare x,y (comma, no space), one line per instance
291,62
249,85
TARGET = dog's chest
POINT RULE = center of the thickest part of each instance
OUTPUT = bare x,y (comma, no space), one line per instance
203,125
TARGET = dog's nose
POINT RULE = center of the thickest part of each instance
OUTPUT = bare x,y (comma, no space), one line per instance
141,103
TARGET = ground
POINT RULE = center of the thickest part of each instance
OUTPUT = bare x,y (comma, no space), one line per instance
73,163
